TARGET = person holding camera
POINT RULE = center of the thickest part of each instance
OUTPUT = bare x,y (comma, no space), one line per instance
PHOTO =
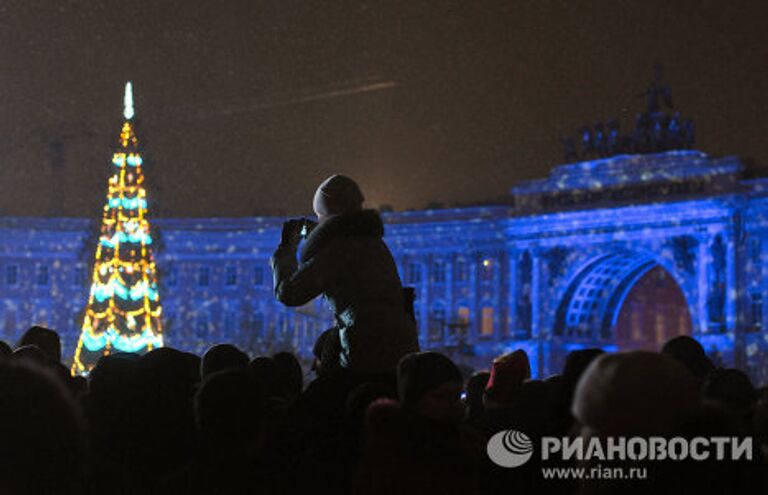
345,259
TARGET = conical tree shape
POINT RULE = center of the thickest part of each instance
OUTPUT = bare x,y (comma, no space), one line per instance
123,312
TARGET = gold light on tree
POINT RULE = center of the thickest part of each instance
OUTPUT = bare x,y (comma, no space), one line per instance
123,312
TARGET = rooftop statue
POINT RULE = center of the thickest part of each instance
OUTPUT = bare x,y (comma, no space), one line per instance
656,130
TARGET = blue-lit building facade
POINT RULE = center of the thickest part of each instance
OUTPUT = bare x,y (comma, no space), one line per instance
621,252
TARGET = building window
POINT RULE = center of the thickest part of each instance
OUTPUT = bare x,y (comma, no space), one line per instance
416,310
204,276
460,327
78,276
756,310
258,275
41,275
230,276
9,322
172,278
524,306
414,273
282,326
487,269
12,274
437,322
462,271
463,315
201,325
438,272
257,324
486,325
755,252
230,324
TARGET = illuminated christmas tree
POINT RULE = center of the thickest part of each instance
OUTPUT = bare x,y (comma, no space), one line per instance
123,311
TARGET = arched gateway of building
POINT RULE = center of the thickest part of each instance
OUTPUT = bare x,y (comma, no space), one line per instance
624,300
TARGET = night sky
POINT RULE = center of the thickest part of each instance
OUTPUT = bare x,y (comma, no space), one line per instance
244,106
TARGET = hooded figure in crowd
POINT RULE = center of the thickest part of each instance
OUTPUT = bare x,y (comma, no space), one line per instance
508,373
345,259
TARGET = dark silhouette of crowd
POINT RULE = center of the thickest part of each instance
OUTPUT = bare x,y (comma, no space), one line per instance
171,422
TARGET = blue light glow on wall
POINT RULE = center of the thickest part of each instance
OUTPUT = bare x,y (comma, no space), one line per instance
487,279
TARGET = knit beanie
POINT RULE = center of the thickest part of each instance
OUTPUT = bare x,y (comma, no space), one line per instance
420,372
336,195
635,393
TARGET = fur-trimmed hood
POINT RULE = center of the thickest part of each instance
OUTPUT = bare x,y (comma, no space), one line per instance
362,223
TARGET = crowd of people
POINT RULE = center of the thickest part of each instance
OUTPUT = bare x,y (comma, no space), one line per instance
378,417
172,422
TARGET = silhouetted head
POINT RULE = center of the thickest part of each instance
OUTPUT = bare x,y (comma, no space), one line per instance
5,349
221,357
634,393
41,433
430,385
731,388
576,362
30,353
229,409
689,352
46,339
166,371
336,195
112,376
166,412
508,373
167,387
113,400
289,374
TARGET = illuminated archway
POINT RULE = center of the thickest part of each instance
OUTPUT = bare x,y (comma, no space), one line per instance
653,311
623,299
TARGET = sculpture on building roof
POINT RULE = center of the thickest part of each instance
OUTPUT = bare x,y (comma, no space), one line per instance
658,91
656,130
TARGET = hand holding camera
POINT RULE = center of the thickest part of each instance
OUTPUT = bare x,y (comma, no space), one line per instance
295,230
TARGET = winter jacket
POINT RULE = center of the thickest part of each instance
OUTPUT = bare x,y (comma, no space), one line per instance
346,260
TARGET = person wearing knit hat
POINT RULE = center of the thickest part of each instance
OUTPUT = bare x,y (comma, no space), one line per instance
635,393
429,384
344,258
336,195
508,373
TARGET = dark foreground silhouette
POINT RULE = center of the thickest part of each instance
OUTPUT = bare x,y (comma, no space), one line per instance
171,422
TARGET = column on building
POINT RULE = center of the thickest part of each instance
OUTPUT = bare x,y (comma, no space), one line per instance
474,284
512,295
702,286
